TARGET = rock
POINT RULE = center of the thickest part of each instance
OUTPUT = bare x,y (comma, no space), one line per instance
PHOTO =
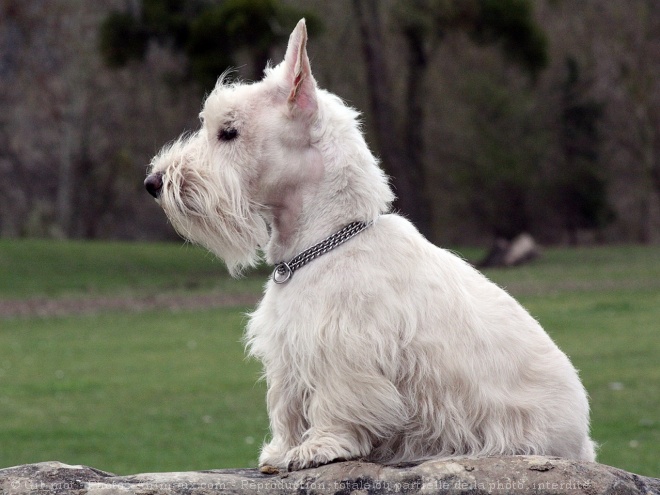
517,474
522,249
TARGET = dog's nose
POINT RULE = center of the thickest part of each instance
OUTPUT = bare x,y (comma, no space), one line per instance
154,184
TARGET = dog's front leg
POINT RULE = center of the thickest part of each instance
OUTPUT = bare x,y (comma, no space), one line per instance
347,414
287,424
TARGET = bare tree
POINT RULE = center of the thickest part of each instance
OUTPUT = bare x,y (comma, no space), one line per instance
637,49
408,184
76,137
423,25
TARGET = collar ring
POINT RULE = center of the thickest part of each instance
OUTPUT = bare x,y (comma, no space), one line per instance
282,273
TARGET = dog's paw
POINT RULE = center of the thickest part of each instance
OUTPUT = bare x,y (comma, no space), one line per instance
310,455
272,458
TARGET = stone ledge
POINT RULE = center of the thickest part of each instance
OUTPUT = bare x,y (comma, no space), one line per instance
492,475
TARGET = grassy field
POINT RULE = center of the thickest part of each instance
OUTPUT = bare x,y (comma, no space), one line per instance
170,390
30,268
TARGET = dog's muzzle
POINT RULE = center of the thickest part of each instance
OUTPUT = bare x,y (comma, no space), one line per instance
154,184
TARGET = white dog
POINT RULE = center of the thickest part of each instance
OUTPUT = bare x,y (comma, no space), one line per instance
376,344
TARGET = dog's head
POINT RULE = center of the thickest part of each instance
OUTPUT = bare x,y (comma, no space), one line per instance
245,176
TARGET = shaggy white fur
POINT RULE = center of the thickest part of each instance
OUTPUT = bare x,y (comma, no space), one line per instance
387,347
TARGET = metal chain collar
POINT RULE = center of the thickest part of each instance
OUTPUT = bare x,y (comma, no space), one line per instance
284,271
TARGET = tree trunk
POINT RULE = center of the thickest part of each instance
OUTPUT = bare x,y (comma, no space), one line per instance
65,180
414,145
407,171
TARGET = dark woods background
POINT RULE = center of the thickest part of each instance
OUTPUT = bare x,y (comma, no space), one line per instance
494,117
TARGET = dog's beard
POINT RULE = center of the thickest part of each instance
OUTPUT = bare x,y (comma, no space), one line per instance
214,212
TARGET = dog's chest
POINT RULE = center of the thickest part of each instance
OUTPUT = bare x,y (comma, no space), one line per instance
286,327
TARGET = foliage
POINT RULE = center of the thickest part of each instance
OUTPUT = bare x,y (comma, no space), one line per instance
581,190
508,25
500,176
208,34
122,39
512,23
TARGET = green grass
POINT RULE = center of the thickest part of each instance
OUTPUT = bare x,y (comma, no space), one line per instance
31,268
130,392
163,390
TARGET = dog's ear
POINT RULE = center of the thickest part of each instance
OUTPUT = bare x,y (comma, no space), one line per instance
298,73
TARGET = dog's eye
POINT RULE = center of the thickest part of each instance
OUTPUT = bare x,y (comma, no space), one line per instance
227,134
